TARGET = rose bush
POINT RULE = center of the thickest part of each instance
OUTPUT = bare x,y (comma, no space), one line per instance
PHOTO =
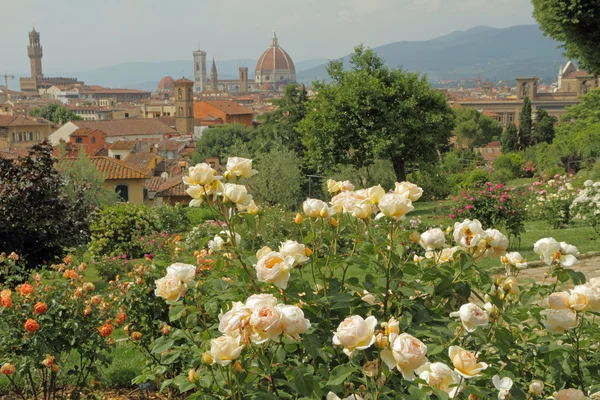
551,200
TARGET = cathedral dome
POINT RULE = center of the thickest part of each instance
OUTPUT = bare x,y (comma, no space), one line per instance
275,65
166,83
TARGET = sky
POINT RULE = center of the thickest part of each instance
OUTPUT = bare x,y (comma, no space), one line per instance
82,35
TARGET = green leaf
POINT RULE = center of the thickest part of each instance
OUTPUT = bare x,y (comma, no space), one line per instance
170,357
162,344
165,384
176,312
303,381
339,374
312,345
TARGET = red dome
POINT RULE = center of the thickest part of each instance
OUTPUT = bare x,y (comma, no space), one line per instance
166,83
266,87
275,58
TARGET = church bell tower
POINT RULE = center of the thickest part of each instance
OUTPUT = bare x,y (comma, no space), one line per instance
34,50
184,105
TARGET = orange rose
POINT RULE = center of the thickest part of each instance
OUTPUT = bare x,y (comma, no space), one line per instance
106,330
88,310
82,267
135,336
71,274
31,325
97,299
68,260
8,369
48,361
6,301
165,330
26,289
79,292
120,318
40,308
89,286
54,368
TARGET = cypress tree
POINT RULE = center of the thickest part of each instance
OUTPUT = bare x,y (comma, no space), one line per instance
510,139
525,123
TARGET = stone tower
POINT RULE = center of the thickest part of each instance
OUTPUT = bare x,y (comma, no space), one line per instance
184,105
243,79
214,78
34,50
199,71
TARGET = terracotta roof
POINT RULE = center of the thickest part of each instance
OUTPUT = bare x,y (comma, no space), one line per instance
101,90
170,121
84,132
154,183
19,120
14,153
184,81
111,168
275,58
142,161
494,144
123,145
166,145
575,74
187,151
128,127
173,186
229,107
102,152
166,83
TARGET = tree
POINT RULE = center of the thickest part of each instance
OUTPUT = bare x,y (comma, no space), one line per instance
56,113
473,129
510,139
543,130
37,221
525,123
371,112
576,24
215,142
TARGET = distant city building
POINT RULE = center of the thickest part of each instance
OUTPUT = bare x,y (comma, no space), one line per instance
17,131
199,71
166,84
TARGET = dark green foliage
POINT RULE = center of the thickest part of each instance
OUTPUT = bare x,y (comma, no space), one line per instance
576,24
372,112
543,131
172,219
525,124
216,142
474,129
37,221
56,113
511,163
461,160
433,179
510,139
197,215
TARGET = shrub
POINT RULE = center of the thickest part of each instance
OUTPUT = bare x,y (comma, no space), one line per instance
501,175
511,162
477,177
117,229
433,180
586,206
551,200
109,267
197,215
172,218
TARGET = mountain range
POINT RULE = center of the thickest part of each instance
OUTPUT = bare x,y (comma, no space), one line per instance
496,54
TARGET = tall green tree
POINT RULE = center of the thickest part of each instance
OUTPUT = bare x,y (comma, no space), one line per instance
575,23
216,141
473,129
56,113
525,124
370,112
510,139
543,131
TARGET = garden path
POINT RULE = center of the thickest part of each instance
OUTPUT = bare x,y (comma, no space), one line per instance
589,266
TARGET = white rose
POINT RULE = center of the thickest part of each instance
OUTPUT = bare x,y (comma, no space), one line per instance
275,268
558,321
536,387
439,376
547,248
465,363
235,321
225,349
375,193
433,239
237,194
503,386
394,206
201,174
471,316
363,211
497,243
196,193
333,396
406,352
368,298
265,322
592,294
558,300
260,300
185,273
355,333
588,183
216,244
515,259
570,394
293,322
468,233
250,208
578,301
263,251
408,190
169,288
333,186
315,208
295,250
238,166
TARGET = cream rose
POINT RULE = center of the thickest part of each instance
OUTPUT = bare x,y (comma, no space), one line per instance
237,194
240,167
355,333
511,286
592,294
293,322
406,353
265,322
503,386
375,193
169,288
558,300
547,249
250,208
275,268
570,394
536,387
497,243
225,349
394,206
468,233
260,300
465,363
433,239
471,316
235,321
577,301
514,259
185,273
201,174
558,321
333,396
439,376
295,250
315,208
408,190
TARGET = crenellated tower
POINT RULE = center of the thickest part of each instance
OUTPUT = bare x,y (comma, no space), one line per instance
35,52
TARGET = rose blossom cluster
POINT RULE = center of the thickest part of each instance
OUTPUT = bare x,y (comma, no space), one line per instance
551,251
205,183
260,319
275,266
175,283
364,203
563,306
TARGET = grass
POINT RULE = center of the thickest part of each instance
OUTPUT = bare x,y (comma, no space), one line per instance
520,182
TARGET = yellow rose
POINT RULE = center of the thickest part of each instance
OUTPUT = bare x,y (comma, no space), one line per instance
465,363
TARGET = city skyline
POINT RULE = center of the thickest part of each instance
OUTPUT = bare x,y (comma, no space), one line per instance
150,31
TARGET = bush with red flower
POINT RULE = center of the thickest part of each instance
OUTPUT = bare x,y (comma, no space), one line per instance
494,205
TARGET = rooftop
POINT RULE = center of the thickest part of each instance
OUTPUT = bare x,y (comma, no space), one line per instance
128,127
110,167
228,107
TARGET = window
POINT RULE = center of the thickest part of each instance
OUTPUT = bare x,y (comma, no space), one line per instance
117,156
123,192
93,140
197,66
267,78
190,93
78,140
37,136
126,115
180,93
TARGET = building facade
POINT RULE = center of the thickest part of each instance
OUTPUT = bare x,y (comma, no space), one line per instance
199,71
17,131
184,104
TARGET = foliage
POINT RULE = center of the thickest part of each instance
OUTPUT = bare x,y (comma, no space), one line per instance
37,221
525,124
475,178
197,215
371,112
494,205
574,23
461,160
216,141
551,200
56,113
172,219
45,325
433,179
110,267
474,129
586,206
544,127
511,162
280,179
116,230
510,139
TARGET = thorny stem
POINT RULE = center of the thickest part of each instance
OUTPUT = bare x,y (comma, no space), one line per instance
387,272
458,388
17,390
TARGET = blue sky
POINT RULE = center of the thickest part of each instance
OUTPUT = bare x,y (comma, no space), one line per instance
80,35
